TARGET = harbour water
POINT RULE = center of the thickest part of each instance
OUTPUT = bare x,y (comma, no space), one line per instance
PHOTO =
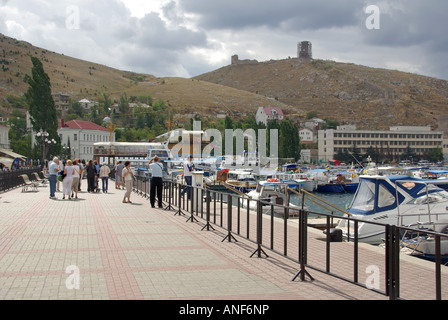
339,200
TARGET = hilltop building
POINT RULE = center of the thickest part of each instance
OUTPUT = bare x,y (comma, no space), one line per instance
305,50
266,114
62,102
236,61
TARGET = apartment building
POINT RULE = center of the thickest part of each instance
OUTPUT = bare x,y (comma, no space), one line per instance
392,143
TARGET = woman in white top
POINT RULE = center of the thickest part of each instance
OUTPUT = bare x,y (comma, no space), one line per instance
76,176
68,180
128,177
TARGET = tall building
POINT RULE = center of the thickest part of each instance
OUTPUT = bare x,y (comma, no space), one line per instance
392,143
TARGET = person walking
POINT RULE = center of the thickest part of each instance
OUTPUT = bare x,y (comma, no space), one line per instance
53,170
104,175
156,181
68,179
128,177
81,170
188,169
91,172
76,176
119,182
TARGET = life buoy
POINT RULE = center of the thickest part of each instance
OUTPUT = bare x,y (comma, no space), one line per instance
273,180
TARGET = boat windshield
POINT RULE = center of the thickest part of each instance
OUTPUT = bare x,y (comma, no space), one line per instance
434,197
364,201
373,196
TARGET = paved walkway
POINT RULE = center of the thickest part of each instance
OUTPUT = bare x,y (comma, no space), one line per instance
96,248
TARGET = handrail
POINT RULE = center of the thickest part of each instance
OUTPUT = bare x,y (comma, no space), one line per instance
228,186
329,204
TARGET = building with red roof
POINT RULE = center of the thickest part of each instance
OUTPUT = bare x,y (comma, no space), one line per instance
81,137
265,114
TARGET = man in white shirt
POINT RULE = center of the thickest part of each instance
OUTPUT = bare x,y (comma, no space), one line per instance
53,170
188,169
156,181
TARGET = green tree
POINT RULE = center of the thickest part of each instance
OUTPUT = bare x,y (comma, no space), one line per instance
435,155
289,144
42,108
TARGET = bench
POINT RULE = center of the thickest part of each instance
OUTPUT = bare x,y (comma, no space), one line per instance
28,184
39,179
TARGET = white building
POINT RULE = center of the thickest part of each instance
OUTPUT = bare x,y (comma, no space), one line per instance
306,135
87,104
392,143
266,114
4,137
82,136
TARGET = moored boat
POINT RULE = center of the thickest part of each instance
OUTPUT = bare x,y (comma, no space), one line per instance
393,200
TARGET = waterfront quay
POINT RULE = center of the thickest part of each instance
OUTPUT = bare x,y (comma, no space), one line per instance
98,248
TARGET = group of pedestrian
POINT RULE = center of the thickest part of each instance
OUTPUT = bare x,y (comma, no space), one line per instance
69,174
72,172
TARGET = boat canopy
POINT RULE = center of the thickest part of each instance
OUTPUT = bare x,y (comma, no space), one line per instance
379,193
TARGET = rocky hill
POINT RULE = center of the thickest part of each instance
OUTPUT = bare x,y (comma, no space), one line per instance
82,79
371,98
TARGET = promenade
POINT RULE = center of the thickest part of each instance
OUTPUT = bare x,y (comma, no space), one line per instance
98,248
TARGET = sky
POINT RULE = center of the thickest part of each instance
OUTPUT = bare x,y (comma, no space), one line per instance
186,38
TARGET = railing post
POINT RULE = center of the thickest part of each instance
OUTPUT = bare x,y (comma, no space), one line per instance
207,209
179,198
229,236
392,262
170,195
259,231
192,217
303,246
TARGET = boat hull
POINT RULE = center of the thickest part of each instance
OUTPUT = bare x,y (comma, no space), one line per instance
330,188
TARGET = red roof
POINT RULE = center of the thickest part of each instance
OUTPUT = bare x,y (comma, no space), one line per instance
269,112
79,124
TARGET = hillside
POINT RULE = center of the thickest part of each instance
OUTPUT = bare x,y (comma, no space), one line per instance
368,97
82,79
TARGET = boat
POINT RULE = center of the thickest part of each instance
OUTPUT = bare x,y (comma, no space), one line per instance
423,244
241,180
275,192
393,200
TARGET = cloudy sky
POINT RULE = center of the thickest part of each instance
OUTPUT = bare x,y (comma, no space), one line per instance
186,38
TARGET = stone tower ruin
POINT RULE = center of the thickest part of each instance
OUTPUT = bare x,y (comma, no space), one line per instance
304,50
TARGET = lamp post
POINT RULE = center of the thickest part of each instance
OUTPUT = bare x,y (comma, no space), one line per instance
43,137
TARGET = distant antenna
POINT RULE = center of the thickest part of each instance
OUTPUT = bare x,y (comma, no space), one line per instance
305,50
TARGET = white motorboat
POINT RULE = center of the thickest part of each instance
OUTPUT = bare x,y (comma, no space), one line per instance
275,192
394,200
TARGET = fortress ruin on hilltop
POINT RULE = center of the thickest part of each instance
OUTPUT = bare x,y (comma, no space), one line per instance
304,52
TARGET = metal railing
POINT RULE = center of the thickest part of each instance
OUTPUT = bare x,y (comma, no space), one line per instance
270,227
11,179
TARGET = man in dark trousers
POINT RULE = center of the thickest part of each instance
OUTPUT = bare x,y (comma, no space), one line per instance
156,181
91,172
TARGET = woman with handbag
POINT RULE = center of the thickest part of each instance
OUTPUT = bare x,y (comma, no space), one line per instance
67,181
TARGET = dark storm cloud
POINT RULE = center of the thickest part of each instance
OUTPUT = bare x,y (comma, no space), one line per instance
236,14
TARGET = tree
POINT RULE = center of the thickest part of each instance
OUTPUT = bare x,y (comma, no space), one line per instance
435,155
42,108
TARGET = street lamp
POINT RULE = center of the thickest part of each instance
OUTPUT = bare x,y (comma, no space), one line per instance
43,137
